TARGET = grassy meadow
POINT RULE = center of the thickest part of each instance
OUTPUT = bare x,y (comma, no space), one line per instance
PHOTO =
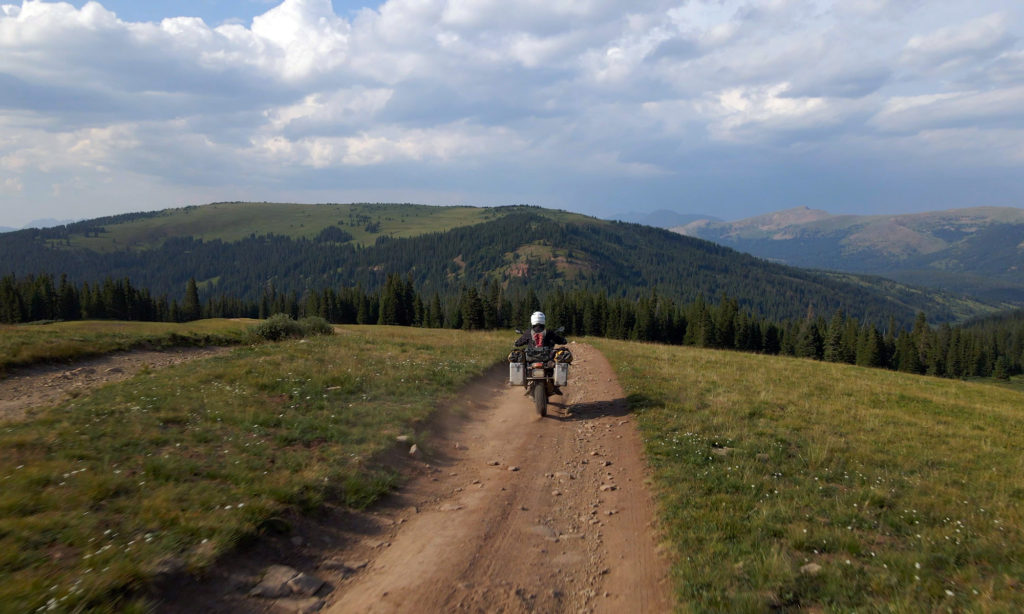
236,221
26,344
174,467
808,486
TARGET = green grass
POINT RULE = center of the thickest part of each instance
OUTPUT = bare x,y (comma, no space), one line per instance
26,344
232,222
235,221
177,466
906,490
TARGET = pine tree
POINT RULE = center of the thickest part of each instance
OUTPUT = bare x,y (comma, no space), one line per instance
436,317
1001,369
392,302
907,358
472,310
190,308
725,323
809,340
869,350
833,351
363,313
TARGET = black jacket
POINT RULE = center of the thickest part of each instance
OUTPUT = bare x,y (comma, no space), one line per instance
550,339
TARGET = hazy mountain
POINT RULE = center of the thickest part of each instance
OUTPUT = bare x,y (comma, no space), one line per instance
240,250
40,223
662,218
977,251
48,222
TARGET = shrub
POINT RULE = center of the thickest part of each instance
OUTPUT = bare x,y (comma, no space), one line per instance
315,325
281,326
278,326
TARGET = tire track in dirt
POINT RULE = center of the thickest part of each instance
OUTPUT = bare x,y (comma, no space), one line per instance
29,388
523,514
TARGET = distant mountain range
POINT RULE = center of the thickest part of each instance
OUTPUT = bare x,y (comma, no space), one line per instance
662,218
41,223
977,251
241,249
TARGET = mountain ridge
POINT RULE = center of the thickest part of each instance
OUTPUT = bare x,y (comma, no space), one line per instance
660,218
442,249
975,250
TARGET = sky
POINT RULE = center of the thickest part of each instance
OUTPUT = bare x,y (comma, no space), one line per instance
730,108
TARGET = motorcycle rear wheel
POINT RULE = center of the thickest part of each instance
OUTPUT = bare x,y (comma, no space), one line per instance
540,399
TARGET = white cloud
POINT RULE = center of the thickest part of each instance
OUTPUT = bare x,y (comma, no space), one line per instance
312,38
568,92
955,109
535,15
953,46
348,107
86,148
385,145
759,113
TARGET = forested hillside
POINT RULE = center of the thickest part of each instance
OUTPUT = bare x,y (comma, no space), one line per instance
522,248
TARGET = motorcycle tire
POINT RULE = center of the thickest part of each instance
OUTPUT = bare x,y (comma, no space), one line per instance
540,399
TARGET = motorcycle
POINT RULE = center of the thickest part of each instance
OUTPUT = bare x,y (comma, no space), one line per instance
540,370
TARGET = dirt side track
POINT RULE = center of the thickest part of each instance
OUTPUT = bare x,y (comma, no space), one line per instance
30,388
563,522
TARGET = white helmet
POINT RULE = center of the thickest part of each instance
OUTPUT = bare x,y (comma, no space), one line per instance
537,318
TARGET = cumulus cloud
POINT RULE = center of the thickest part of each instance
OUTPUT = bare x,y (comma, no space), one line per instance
772,113
309,35
327,111
553,93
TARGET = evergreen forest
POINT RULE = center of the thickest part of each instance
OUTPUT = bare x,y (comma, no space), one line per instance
989,347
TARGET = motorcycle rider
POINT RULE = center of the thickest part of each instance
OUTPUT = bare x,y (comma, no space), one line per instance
539,336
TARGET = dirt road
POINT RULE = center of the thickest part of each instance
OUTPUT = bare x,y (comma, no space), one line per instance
505,512
526,514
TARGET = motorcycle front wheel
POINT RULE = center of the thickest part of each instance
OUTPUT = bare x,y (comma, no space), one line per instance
540,398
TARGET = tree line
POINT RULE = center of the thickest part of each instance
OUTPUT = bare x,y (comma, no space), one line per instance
38,298
993,347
